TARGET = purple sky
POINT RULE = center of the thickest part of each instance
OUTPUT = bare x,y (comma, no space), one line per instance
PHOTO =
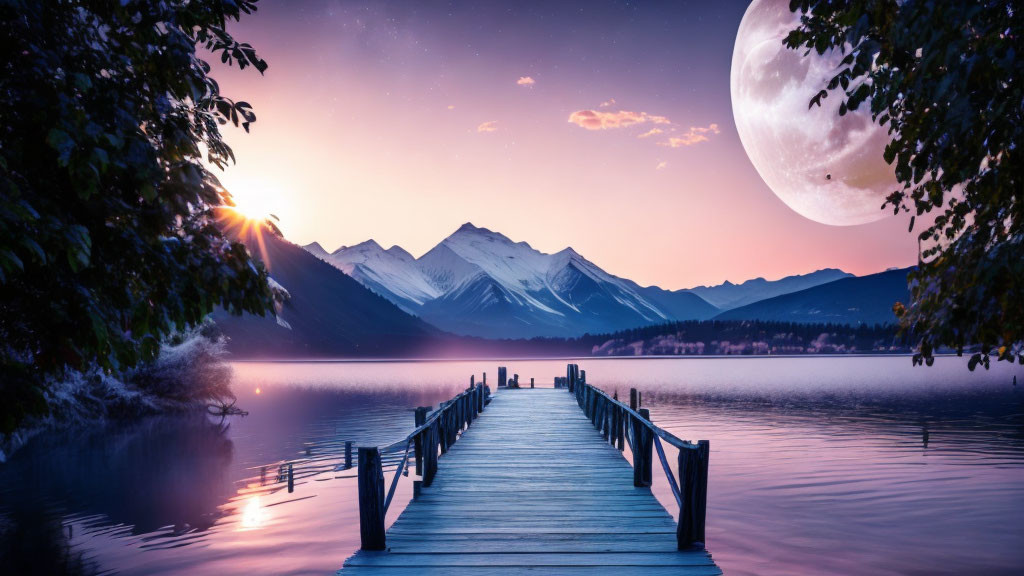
604,126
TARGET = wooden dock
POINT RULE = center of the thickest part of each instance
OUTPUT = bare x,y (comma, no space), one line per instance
533,487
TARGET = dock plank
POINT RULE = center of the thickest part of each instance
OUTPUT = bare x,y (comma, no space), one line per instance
532,488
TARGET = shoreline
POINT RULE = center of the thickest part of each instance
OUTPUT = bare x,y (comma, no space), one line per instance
315,360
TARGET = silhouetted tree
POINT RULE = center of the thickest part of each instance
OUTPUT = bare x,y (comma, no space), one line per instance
945,77
107,241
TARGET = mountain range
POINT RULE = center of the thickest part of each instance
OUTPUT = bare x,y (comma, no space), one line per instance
365,301
851,300
480,283
727,295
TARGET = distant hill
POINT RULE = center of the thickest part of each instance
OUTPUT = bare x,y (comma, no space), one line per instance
727,295
748,337
855,300
328,314
478,282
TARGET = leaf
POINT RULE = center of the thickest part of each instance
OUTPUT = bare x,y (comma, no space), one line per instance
60,141
35,248
817,99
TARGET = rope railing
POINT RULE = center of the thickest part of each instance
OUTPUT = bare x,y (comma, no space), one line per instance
435,432
619,422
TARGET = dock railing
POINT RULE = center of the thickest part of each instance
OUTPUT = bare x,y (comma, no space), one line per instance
620,423
436,431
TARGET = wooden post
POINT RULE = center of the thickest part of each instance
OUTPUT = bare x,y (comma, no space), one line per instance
531,382
605,410
417,442
632,399
417,487
583,376
643,452
348,455
502,376
439,424
693,489
444,428
430,453
569,379
291,480
371,499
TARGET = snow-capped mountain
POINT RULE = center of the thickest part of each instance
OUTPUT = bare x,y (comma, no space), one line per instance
392,273
481,283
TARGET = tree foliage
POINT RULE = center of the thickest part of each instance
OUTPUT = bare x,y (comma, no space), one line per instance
107,237
945,77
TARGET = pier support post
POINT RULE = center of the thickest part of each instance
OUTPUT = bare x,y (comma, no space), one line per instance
371,499
693,488
643,451
632,399
417,442
430,453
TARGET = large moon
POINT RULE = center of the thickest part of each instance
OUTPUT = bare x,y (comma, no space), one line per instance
826,167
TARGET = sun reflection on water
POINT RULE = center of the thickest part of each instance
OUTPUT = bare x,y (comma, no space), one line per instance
253,515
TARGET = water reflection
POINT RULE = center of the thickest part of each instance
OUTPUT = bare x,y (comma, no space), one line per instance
253,515
846,465
163,476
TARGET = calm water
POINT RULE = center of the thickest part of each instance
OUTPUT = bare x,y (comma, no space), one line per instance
818,465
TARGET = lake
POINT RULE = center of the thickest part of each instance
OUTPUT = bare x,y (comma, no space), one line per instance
823,465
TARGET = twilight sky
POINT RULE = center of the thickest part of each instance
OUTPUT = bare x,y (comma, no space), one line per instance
602,126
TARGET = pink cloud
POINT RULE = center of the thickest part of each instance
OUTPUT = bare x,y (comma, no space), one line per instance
661,165
607,103
598,120
491,126
695,135
651,132
526,81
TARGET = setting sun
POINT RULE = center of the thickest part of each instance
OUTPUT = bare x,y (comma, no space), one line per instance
256,200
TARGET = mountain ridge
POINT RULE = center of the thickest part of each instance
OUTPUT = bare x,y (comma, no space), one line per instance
729,295
857,300
479,282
